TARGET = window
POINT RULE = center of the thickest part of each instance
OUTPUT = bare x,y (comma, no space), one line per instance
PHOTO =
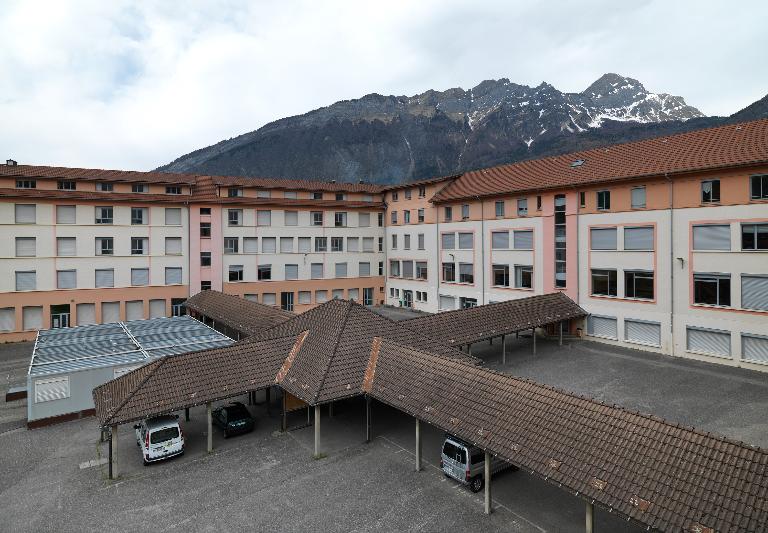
381,244
380,219
268,245
138,215
262,193
710,191
603,200
205,211
466,241
638,284
708,341
66,246
172,189
523,239
305,245
317,218
381,268
367,244
173,275
105,187
235,217
602,238
105,278
465,212
754,348
499,206
234,192
26,184
449,272
602,326
561,244
754,292
638,238
395,196
637,195
25,213
394,269
321,244
317,271
337,244
422,191
286,245
65,214
420,215
104,215
173,246
205,230
66,185
26,246
139,245
264,272
353,244
522,207
364,269
448,241
341,270
269,298
420,241
305,297
140,187
407,269
205,259
421,270
501,275
712,237
105,246
236,272
205,285
712,289
406,242
466,273
523,276
291,271
321,296
26,280
642,332
263,217
467,303
582,199
340,219
364,220
231,245
603,282
406,216
754,236
759,187
139,276
448,213
368,296
316,195
337,294
293,195
173,216
394,242
538,203
500,240
47,390
393,217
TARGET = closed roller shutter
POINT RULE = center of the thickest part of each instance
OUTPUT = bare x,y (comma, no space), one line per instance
65,214
603,238
466,241
500,240
173,275
754,292
26,247
643,332
754,348
291,271
364,269
110,312
523,240
317,270
66,279
32,317
712,237
25,213
367,244
156,308
291,218
134,310
172,216
252,297
286,245
86,314
268,245
251,245
105,278
602,326
448,241
26,281
264,218
66,246
139,276
447,303
708,341
173,245
638,238
364,220
305,297
47,390
268,298
8,319
354,294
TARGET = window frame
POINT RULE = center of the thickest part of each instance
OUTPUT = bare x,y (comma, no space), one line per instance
715,185
762,179
502,269
755,232
603,200
633,276
712,277
611,279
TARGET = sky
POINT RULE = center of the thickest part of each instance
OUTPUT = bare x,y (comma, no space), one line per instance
134,85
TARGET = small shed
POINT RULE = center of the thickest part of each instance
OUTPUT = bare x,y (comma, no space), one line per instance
67,363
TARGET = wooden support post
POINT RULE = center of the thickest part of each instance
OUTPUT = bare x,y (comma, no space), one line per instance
418,446
503,349
317,431
186,414
367,419
533,334
209,416
590,522
560,340
487,479
113,457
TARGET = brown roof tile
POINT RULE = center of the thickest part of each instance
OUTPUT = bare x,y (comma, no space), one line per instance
95,196
95,174
306,185
240,314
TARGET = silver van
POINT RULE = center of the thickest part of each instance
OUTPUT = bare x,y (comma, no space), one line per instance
466,463
159,438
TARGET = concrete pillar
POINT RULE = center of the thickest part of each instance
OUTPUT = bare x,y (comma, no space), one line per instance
418,445
503,349
487,476
113,462
317,431
590,525
533,334
560,340
367,419
209,416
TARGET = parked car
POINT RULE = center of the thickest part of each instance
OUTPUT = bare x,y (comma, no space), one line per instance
466,463
159,438
234,419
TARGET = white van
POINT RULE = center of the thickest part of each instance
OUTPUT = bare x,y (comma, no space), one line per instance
159,438
466,463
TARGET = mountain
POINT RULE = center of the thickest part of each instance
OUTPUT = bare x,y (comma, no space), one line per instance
392,139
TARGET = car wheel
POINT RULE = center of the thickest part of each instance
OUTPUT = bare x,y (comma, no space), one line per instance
476,485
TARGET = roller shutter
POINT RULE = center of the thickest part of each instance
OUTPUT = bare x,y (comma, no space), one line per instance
286,245
602,326
291,218
466,241
26,281
712,237
367,244
252,297
754,348
47,390
172,245
264,218
603,238
26,247
25,213
448,241
305,297
134,310
110,312
139,276
268,298
500,240
638,238
709,341
173,275
156,308
291,271
66,246
447,303
65,214
86,314
523,240
754,292
32,317
8,319
66,279
105,278
354,294
172,216
364,269
268,245
317,270
643,332
251,245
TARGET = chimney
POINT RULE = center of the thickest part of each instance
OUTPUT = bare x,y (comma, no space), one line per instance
333,181
11,162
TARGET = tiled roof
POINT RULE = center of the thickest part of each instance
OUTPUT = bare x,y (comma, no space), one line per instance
707,149
240,314
464,326
298,202
307,185
427,181
665,476
331,363
95,196
94,174
180,381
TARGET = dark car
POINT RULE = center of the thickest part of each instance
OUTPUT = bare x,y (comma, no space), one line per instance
234,419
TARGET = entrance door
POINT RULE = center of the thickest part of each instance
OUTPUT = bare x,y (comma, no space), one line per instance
286,301
407,298
60,316
368,296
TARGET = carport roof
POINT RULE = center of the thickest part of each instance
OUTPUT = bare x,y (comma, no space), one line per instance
464,326
663,475
240,314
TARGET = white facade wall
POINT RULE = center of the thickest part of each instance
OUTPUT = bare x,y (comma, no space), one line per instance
429,255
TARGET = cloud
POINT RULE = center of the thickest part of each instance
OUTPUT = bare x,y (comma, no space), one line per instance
134,85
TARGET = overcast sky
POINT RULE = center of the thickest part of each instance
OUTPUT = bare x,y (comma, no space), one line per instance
133,85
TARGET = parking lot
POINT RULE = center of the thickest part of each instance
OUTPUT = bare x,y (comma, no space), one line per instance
55,479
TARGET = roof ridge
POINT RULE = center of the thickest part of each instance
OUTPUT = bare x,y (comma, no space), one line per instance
349,305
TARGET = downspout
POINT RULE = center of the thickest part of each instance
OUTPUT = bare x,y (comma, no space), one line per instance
438,265
482,250
671,261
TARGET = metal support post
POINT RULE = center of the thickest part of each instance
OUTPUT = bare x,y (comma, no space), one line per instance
209,415
487,478
418,445
590,525
367,419
113,461
533,334
317,431
560,341
284,418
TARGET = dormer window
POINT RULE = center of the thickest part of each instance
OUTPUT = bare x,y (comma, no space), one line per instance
140,188
26,184
407,194
234,192
395,196
172,189
105,187
316,195
422,191
262,193
66,185
340,196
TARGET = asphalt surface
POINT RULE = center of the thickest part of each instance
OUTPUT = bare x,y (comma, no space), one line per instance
14,361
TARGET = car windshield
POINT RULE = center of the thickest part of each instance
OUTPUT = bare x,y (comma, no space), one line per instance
237,412
454,452
162,435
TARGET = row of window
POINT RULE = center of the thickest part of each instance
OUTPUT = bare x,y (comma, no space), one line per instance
250,245
408,296
422,190
291,218
715,289
635,331
407,216
67,214
408,269
758,189
67,246
407,241
102,186
291,271
635,238
237,192
718,237
523,276
638,284
448,303
26,280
